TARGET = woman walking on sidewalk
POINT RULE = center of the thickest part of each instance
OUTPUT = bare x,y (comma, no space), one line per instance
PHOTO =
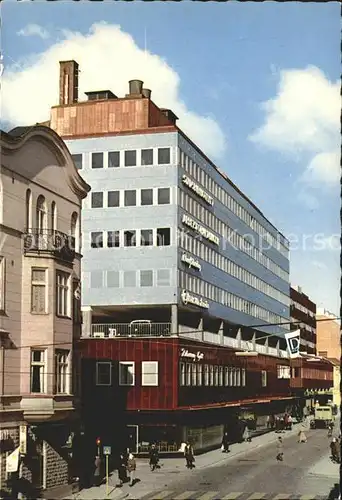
189,456
280,449
131,468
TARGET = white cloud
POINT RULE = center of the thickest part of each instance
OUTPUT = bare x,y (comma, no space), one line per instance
34,30
303,120
108,59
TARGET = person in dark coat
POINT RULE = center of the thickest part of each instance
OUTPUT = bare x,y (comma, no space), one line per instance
97,471
122,471
189,456
225,443
131,468
154,457
333,449
280,450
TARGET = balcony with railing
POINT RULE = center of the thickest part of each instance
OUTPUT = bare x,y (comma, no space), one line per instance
49,241
134,329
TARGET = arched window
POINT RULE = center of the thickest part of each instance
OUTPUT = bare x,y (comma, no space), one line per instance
53,216
41,215
28,210
75,230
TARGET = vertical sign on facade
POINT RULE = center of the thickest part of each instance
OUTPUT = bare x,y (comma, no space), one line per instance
23,439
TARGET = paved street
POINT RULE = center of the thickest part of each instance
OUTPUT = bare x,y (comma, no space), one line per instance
250,472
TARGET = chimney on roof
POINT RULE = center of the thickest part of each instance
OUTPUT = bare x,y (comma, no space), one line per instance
146,93
135,87
68,82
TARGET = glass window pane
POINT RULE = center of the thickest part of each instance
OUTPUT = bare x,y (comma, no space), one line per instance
146,278
97,160
96,239
96,200
163,237
113,279
147,197
113,198
163,277
130,158
163,156
130,198
147,156
129,278
163,196
146,237
114,159
96,279
77,159
129,239
113,239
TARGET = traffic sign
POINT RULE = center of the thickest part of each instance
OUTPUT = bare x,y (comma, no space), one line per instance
107,450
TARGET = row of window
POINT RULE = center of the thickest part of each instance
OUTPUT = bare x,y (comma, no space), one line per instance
131,198
159,237
130,279
204,252
216,294
39,372
196,374
229,235
130,158
299,306
39,293
227,200
127,376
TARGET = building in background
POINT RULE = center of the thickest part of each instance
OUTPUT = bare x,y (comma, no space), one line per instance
329,346
303,317
40,205
178,263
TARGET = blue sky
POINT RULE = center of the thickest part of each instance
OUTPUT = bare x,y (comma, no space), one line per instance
215,65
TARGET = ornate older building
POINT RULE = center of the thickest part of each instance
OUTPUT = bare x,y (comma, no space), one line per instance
40,203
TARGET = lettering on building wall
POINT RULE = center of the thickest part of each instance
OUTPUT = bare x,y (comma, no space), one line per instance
187,298
197,189
208,235
191,262
198,356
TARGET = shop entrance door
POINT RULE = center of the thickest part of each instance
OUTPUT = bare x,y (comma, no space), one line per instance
38,469
132,438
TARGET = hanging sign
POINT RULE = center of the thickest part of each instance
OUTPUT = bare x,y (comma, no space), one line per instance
12,461
23,439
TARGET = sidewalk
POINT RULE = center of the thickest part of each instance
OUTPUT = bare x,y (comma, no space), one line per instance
174,469
325,467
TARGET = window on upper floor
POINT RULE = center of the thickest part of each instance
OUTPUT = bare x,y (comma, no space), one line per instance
130,199
96,279
75,230
129,279
41,215
163,236
53,216
96,239
164,156
126,373
63,294
78,161
181,374
130,238
97,160
62,383
146,237
114,159
103,373
96,199
146,278
38,291
130,158
163,277
113,199
147,157
113,239
146,197
28,210
113,279
263,378
149,373
38,371
163,196
2,282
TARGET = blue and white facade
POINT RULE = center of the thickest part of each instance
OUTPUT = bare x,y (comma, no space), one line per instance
164,230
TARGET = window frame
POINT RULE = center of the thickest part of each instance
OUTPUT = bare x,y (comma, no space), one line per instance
97,373
91,239
116,191
109,155
126,157
161,190
156,372
37,283
159,156
263,378
144,240
150,271
76,162
62,364
182,374
97,154
133,238
2,283
65,290
141,197
92,199
162,237
113,239
41,364
130,192
127,363
143,164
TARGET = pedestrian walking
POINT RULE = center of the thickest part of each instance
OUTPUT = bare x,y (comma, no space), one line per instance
131,468
302,437
97,471
247,435
290,422
277,424
338,450
225,443
154,457
330,429
189,456
122,470
280,450
333,449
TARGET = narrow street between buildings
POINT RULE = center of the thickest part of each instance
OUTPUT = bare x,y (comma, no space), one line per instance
249,472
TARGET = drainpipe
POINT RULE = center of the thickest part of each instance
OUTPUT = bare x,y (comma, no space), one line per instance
2,393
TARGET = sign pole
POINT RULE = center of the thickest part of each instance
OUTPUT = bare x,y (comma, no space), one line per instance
107,476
